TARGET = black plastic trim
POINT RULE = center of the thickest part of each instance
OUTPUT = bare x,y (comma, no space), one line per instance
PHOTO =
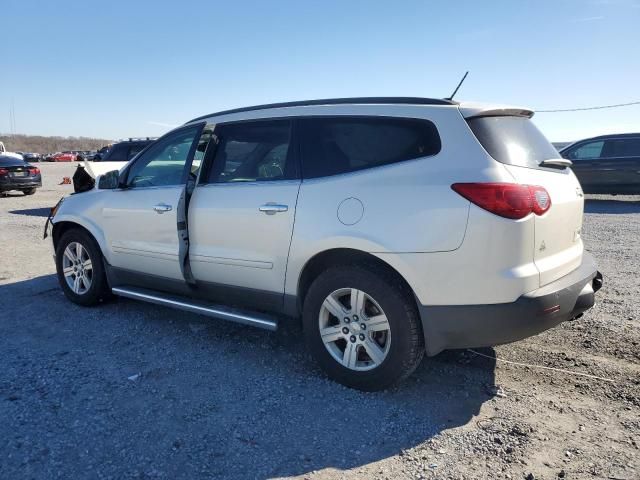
466,326
229,295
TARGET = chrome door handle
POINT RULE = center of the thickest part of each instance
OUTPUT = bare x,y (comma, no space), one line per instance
161,208
273,208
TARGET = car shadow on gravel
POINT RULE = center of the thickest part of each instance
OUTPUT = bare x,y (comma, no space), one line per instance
152,389
33,212
11,194
597,205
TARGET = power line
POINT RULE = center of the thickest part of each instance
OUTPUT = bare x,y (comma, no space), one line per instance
589,108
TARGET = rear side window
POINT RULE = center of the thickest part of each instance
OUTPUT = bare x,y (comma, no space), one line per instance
135,149
586,151
334,145
513,140
622,147
118,153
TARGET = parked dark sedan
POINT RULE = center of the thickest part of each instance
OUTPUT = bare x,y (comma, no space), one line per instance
16,174
32,157
607,164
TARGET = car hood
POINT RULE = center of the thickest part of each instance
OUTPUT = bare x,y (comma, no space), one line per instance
100,168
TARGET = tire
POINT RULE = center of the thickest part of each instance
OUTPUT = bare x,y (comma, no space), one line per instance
29,191
96,289
401,345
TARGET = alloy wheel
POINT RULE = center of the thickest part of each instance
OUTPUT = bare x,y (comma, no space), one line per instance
77,268
354,329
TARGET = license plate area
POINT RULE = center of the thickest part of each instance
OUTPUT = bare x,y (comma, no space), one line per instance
19,174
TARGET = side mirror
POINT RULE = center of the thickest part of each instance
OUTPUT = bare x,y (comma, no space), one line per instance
109,180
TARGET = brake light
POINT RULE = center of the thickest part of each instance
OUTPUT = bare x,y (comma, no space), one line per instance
34,171
3,172
508,200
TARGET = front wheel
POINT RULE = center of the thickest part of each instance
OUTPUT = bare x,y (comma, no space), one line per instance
80,270
362,327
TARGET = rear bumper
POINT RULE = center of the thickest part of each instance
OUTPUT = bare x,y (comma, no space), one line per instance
465,326
19,184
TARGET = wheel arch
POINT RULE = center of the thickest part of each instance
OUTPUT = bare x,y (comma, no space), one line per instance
60,227
345,256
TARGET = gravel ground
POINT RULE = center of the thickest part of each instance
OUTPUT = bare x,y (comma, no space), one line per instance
130,390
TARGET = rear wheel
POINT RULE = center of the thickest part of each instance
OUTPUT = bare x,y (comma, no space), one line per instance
29,191
362,327
80,269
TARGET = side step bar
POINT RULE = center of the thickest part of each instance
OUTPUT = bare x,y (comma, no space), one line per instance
216,311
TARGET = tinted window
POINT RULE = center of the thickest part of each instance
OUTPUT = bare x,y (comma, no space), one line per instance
333,145
117,154
253,151
513,140
622,147
135,149
586,151
164,162
10,161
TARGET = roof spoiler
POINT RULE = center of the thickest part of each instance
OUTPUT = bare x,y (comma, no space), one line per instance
474,111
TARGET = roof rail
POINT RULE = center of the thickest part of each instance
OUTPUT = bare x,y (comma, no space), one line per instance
138,139
336,101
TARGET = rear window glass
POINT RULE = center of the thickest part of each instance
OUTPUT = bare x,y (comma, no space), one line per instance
253,151
586,151
135,149
10,161
623,147
117,154
334,145
513,140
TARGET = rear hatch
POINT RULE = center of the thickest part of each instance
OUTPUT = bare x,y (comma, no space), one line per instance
515,141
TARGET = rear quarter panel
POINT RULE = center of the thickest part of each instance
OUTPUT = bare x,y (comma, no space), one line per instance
407,207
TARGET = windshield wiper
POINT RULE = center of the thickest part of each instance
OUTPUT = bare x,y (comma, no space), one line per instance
556,162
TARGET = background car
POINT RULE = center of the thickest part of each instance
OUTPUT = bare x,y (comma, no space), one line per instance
64,157
125,151
16,174
90,155
607,164
83,155
32,157
101,153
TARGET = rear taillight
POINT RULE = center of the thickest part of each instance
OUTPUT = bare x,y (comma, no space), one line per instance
3,172
541,199
509,200
34,171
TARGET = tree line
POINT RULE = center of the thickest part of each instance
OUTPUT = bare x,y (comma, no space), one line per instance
40,144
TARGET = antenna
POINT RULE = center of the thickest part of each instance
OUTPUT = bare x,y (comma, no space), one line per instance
459,84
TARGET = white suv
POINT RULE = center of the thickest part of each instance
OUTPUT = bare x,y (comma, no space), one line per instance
392,226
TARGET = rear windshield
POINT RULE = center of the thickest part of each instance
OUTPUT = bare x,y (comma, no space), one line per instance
10,161
513,140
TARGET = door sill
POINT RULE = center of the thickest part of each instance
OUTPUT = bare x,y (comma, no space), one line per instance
221,312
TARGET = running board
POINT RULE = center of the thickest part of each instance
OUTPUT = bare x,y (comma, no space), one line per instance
216,311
